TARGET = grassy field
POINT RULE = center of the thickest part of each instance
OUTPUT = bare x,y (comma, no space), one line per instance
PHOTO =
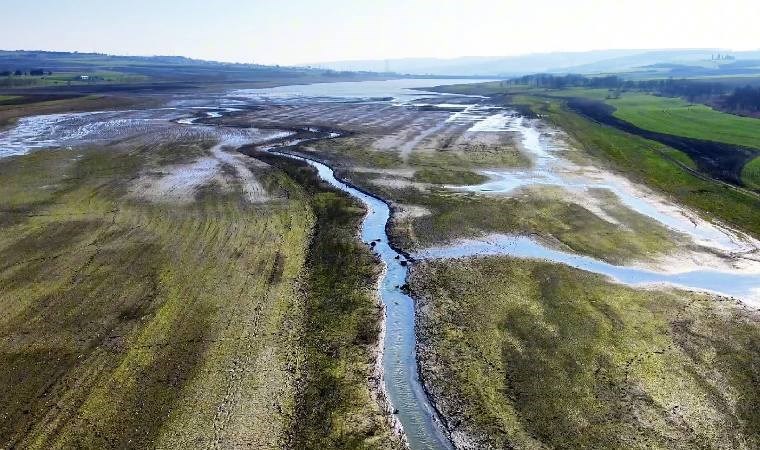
135,324
676,116
751,174
71,78
523,354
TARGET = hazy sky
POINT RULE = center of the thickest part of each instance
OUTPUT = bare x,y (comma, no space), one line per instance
300,31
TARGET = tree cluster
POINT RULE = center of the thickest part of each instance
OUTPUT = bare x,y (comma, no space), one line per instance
743,99
549,81
19,72
689,89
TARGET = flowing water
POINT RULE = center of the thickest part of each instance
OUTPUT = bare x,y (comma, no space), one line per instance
403,388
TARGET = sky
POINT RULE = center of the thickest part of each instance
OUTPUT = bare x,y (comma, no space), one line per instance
308,31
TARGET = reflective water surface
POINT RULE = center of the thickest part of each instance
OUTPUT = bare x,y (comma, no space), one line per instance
742,286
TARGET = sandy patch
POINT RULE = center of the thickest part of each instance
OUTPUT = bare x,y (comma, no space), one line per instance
180,183
398,183
407,212
406,173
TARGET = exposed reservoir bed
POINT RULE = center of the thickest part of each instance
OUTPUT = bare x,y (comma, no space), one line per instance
403,387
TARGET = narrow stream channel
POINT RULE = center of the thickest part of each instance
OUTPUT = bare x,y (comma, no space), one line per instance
422,427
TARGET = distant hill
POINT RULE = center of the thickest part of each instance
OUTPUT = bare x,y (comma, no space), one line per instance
21,68
597,61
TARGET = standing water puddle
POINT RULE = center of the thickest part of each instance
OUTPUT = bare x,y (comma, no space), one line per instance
743,286
550,169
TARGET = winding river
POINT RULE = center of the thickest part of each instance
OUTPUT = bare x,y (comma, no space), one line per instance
422,427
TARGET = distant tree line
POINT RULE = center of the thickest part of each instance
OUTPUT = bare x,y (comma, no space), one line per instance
688,89
549,81
746,99
19,73
668,87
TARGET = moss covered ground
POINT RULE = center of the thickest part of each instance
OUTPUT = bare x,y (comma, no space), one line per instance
334,407
527,354
437,175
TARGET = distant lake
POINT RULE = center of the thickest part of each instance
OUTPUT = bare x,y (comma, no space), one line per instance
390,90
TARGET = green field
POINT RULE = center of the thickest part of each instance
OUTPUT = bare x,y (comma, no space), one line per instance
129,323
751,174
525,354
71,78
676,116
